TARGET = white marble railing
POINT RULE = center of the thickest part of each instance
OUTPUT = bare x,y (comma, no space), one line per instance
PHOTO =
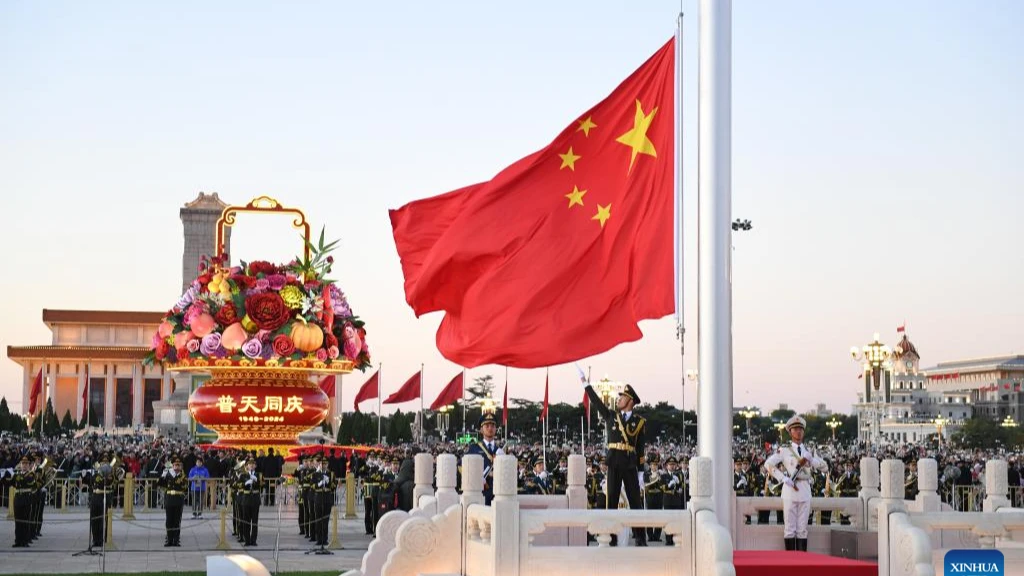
912,543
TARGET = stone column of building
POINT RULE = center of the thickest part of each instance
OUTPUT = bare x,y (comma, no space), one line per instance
138,393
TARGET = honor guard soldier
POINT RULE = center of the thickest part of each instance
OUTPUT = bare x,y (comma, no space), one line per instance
175,486
910,486
38,496
323,485
487,447
626,445
300,478
23,486
797,462
538,482
251,482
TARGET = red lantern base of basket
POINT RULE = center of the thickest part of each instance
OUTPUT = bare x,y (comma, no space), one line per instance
259,407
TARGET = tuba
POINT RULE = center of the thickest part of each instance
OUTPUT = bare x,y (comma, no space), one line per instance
46,471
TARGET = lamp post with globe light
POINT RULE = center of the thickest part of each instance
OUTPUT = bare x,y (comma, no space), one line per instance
874,358
940,422
749,413
780,426
833,424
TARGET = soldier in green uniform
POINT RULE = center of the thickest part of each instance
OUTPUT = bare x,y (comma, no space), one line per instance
24,480
910,485
300,475
371,491
175,485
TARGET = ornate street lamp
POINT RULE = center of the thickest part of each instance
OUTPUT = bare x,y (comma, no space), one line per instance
488,406
875,360
1008,422
939,422
833,424
780,426
749,413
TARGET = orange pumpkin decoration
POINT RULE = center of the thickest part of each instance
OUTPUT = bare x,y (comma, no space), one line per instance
307,337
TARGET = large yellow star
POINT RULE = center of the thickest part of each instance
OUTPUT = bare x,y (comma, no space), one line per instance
569,159
637,138
603,214
576,196
585,126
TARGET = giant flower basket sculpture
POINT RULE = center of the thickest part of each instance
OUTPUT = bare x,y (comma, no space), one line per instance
263,332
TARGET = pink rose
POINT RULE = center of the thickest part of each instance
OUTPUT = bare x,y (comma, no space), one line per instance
321,354
192,345
333,352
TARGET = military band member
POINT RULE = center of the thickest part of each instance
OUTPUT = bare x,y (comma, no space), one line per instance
653,492
175,486
487,446
371,492
538,482
910,486
38,497
300,475
323,485
23,486
672,487
251,483
626,445
101,500
795,474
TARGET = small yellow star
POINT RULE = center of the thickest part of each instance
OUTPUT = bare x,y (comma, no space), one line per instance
569,159
603,214
637,138
576,196
585,126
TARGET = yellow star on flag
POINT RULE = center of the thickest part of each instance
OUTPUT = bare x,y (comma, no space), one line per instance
576,196
569,159
637,138
603,214
585,126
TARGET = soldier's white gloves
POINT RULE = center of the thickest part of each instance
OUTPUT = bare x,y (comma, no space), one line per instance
788,482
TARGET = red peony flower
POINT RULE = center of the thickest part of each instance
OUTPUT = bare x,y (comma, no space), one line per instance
283,345
243,281
330,340
268,310
227,315
205,278
162,348
261,267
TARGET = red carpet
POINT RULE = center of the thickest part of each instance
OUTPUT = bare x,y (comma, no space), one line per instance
770,562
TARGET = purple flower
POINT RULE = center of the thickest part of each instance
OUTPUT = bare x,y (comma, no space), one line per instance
188,297
252,348
267,350
340,303
221,352
210,344
262,284
276,281
192,345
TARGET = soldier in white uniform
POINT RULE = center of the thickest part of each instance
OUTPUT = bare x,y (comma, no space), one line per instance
796,461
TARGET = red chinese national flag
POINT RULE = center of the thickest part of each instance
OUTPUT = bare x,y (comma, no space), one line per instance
451,394
409,391
370,389
562,253
586,405
33,395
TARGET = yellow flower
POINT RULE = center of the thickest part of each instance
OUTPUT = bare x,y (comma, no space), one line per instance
292,297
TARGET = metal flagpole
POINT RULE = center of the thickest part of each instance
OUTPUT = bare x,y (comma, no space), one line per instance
544,422
680,239
464,401
714,212
423,423
504,408
590,424
380,390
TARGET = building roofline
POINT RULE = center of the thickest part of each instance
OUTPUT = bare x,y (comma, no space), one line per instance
101,317
17,353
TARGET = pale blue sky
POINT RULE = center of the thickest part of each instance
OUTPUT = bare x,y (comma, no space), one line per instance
876,148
